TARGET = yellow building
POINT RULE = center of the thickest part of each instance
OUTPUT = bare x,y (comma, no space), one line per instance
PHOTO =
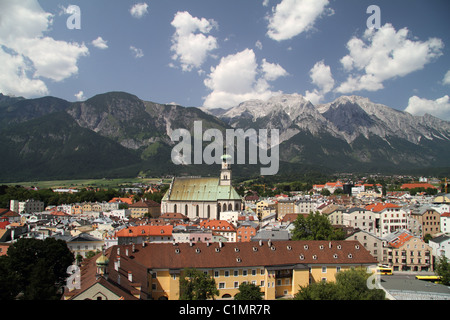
278,267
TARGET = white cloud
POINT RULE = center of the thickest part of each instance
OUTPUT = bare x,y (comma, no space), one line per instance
15,78
265,3
80,95
189,47
138,53
446,79
439,108
292,17
238,78
272,71
385,54
320,76
139,10
100,43
31,55
315,97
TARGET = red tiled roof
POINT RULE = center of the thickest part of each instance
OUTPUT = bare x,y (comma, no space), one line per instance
126,290
146,230
243,254
400,240
145,204
59,213
3,224
217,225
377,207
8,213
417,185
124,200
173,215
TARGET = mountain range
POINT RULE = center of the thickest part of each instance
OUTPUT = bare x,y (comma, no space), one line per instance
116,134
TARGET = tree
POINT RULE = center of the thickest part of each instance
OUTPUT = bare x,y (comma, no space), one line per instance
349,285
317,291
249,291
196,285
442,269
37,268
315,227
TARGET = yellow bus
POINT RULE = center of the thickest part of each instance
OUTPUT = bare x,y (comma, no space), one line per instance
435,279
384,270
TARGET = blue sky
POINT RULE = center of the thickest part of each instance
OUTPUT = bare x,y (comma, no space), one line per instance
217,53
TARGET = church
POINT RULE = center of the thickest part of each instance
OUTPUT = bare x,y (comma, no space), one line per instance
202,197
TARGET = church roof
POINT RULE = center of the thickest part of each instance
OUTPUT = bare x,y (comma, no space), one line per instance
200,189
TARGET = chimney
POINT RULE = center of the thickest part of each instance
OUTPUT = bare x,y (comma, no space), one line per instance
118,263
130,276
133,248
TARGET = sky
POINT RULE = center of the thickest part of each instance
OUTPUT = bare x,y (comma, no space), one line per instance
218,53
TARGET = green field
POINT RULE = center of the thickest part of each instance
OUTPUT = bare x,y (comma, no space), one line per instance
99,183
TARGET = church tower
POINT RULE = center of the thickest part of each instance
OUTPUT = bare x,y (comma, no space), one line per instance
225,172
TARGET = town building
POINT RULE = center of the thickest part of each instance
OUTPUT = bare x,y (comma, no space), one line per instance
27,206
445,222
370,241
145,233
220,227
278,267
440,246
145,207
428,219
83,243
202,197
284,207
389,217
405,252
360,218
305,206
245,231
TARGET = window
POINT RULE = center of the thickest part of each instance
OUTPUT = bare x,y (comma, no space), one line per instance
227,273
236,284
244,273
324,269
216,274
338,269
221,285
236,273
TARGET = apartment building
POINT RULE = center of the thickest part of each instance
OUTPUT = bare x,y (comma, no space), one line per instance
360,218
284,207
153,271
405,252
28,206
369,241
428,219
389,218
